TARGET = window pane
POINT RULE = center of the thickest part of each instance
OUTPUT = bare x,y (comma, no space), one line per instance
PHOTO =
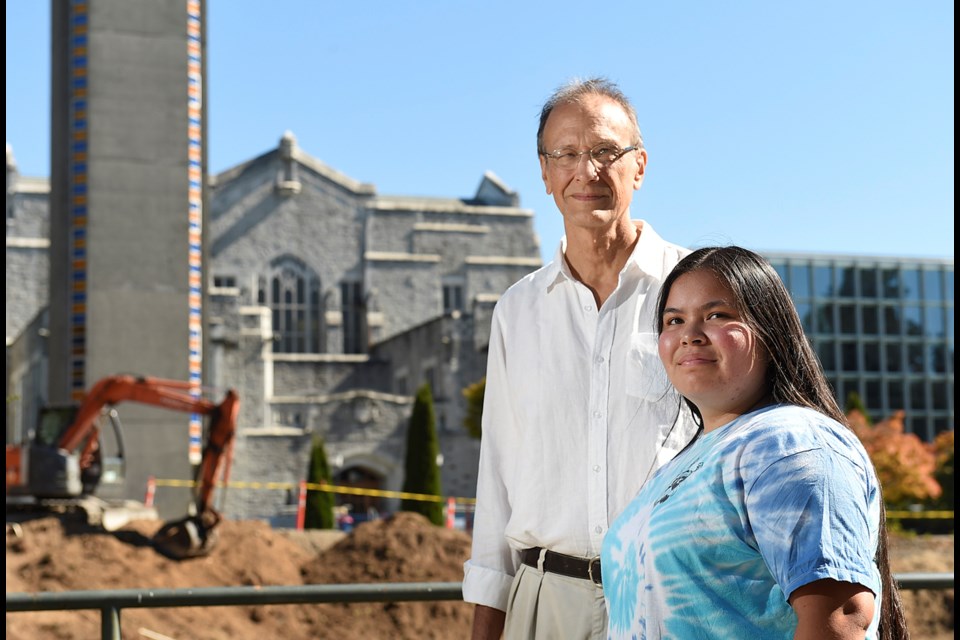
827,358
933,285
871,356
848,355
316,313
938,358
800,280
918,399
822,285
352,309
913,320
895,395
917,425
915,357
891,283
934,322
941,424
845,282
911,284
939,390
873,399
891,321
868,283
850,385
871,320
452,297
894,359
848,319
825,318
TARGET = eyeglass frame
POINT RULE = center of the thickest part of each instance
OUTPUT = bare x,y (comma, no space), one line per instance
616,156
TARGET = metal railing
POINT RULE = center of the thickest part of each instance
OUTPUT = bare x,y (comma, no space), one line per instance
111,602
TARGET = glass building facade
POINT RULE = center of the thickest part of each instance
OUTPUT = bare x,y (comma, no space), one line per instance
882,327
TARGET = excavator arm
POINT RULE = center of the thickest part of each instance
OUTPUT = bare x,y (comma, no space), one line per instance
195,535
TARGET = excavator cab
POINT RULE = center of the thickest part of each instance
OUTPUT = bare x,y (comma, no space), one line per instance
43,469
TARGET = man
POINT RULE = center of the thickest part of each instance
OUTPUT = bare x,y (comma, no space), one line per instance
578,412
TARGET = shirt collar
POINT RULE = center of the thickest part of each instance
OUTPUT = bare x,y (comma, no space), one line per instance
647,258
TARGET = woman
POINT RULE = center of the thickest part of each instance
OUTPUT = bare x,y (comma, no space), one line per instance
770,524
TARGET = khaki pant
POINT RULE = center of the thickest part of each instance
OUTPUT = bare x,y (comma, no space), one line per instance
549,606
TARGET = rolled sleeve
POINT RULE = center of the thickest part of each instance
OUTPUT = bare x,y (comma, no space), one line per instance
485,586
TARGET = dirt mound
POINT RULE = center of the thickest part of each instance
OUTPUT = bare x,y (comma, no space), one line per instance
54,554
63,554
929,612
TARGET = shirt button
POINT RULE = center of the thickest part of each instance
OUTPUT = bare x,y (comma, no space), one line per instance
599,529
597,414
596,468
599,359
587,307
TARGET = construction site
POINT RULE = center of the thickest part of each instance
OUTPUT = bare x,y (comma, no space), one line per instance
55,554
178,343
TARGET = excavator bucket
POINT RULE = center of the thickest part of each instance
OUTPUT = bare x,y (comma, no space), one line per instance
189,537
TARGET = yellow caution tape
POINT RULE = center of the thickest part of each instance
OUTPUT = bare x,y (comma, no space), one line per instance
329,488
920,515
404,495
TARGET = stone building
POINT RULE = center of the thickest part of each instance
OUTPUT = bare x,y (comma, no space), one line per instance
328,306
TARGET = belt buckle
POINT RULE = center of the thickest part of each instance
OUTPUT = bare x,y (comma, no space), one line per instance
598,580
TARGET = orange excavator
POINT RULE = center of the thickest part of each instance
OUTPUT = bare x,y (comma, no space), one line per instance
62,463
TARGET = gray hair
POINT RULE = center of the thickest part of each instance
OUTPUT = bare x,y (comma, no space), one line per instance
573,90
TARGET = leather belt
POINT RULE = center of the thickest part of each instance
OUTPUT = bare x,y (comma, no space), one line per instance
570,566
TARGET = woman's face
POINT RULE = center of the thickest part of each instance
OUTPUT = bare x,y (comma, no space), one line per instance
709,352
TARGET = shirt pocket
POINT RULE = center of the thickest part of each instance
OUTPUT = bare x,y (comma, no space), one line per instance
645,376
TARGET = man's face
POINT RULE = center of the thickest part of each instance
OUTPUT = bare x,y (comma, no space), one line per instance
590,195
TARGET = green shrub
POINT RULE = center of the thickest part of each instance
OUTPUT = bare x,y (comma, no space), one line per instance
421,472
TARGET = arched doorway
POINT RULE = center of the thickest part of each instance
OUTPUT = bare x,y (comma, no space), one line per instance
361,507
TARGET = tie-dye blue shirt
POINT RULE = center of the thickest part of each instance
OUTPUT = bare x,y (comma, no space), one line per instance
715,543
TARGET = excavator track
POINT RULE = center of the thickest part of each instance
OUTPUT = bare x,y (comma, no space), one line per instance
99,513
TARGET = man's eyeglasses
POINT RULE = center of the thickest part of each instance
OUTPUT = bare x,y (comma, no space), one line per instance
602,155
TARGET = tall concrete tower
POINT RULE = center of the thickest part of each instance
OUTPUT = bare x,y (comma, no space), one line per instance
128,168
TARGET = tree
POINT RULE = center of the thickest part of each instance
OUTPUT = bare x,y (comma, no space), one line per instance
904,463
319,513
855,403
943,450
474,395
421,472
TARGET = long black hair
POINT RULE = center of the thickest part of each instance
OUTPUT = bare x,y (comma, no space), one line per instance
794,374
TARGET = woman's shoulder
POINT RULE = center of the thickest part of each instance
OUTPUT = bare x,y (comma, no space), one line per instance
787,429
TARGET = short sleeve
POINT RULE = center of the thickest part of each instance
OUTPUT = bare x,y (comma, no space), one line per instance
813,516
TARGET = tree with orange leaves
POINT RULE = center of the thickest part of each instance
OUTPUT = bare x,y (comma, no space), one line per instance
943,450
904,463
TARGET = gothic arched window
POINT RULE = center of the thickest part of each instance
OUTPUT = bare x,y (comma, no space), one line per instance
292,291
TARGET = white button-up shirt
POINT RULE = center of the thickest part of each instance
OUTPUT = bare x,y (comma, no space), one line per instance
577,414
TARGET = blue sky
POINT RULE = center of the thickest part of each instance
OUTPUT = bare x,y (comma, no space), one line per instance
805,126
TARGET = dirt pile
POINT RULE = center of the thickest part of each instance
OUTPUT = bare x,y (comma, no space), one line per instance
60,554
52,554
929,612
